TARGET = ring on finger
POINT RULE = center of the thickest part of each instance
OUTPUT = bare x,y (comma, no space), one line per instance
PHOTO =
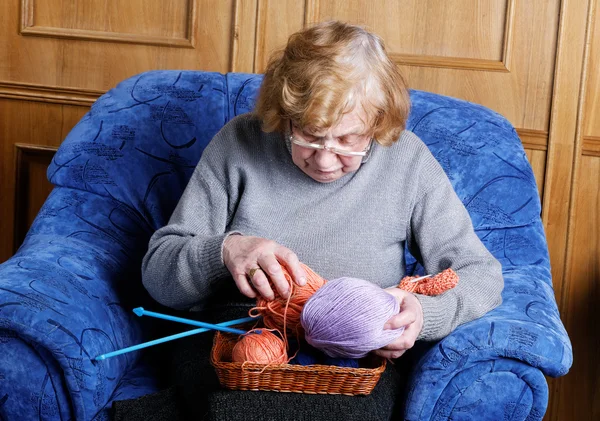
251,272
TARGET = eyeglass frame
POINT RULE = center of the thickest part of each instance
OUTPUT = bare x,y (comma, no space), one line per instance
332,149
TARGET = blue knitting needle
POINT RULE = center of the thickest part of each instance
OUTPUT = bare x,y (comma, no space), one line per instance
141,312
173,337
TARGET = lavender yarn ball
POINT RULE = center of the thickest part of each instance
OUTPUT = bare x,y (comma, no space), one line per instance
345,318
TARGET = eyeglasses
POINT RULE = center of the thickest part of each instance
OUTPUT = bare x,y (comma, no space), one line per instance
321,146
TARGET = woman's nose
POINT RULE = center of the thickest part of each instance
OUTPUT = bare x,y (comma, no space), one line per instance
325,159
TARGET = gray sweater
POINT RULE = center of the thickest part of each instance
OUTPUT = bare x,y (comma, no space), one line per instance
355,226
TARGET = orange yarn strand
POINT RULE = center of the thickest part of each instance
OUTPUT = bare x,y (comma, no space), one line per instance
284,313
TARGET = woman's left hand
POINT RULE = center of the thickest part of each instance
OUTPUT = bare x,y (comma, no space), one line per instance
410,316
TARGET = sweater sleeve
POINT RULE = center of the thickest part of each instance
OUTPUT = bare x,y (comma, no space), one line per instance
184,258
442,236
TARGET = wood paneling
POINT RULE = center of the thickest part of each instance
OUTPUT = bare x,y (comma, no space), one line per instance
167,23
534,139
53,94
94,64
563,135
32,186
244,36
430,33
275,22
30,123
591,145
496,53
527,60
537,158
576,395
591,123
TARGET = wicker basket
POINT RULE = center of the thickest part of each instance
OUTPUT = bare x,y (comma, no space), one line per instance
312,379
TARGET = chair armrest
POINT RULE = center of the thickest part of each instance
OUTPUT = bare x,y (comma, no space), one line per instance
60,308
496,361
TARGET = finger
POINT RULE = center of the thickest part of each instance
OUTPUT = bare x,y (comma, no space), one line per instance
292,263
272,269
404,318
405,341
260,283
410,335
241,281
396,345
389,354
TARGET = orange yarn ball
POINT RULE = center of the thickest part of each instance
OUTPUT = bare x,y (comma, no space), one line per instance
274,312
434,285
260,348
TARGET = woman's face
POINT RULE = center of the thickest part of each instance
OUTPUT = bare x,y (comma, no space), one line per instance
324,165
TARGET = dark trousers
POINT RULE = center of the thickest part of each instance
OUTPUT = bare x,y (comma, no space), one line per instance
195,393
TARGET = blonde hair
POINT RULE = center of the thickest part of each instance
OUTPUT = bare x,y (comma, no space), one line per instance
326,71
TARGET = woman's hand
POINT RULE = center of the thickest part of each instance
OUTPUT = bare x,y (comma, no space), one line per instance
242,254
410,316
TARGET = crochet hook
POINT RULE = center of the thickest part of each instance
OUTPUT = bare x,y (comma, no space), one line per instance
173,337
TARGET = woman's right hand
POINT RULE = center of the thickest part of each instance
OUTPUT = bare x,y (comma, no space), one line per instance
242,254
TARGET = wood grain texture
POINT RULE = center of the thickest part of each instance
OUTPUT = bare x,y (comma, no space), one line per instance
533,139
496,53
591,145
31,123
563,138
100,64
591,121
433,34
537,159
244,36
275,22
575,395
169,23
32,186
52,94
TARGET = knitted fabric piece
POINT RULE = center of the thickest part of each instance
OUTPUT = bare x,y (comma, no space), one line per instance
434,285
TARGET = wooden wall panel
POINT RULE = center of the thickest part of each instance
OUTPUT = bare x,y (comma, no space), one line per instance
27,123
579,390
244,36
32,186
577,394
564,129
496,53
100,63
537,159
591,123
459,29
166,23
275,21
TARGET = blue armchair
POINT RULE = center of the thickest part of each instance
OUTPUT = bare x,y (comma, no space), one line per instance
66,295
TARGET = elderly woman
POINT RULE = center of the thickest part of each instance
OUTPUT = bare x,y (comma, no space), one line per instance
323,172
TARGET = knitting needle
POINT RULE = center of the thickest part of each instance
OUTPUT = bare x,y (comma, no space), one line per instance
141,312
420,277
170,338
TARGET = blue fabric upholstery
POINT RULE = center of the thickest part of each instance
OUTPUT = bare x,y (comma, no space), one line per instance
65,297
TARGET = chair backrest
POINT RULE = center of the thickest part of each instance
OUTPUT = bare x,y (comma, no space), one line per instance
140,142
